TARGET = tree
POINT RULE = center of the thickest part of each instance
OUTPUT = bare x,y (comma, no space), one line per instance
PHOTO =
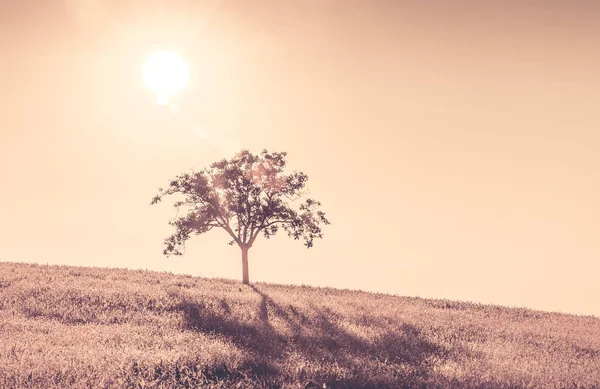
246,195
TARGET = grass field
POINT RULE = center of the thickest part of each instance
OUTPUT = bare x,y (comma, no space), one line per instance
99,328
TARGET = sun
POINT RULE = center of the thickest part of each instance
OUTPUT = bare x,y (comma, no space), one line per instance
166,73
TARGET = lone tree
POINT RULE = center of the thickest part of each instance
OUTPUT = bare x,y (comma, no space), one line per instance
246,195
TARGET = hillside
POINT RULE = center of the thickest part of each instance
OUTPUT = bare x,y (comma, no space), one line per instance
91,327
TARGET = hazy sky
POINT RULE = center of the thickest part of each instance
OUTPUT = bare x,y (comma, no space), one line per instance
453,144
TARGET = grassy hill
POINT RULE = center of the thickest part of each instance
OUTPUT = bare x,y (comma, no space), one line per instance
91,327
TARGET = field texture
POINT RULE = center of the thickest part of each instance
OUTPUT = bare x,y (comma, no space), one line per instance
109,328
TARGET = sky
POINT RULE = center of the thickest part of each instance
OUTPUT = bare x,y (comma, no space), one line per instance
454,145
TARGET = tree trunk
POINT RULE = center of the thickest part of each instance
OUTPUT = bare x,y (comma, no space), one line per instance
245,277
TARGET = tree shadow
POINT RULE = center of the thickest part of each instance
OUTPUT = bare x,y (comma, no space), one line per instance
319,337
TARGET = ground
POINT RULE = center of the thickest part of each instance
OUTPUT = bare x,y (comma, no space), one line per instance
111,328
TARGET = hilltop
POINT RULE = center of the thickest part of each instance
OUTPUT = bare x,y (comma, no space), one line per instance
78,327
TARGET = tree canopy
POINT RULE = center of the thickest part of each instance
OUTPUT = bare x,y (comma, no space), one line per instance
246,195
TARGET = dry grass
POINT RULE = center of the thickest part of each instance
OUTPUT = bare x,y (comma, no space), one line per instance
99,328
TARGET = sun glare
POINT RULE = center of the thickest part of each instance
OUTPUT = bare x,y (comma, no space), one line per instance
166,73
